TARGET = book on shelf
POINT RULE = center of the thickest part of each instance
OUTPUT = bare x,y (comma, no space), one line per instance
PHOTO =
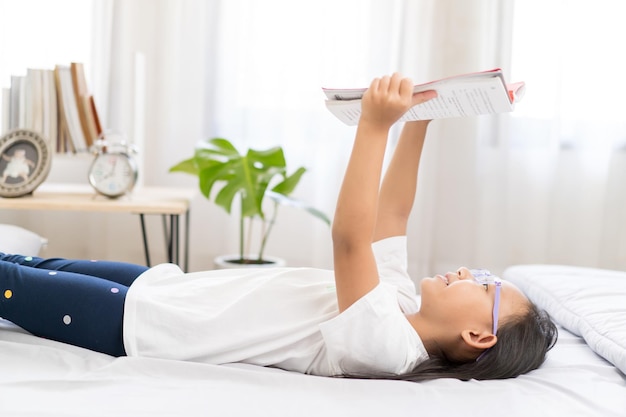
54,102
17,110
472,94
64,142
83,102
96,118
34,99
69,109
50,109
31,103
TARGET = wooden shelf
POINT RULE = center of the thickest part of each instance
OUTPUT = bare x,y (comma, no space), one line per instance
168,202
77,197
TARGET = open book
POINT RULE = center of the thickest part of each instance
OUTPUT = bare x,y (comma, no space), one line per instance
472,94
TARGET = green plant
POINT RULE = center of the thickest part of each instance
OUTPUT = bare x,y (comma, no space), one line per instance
248,176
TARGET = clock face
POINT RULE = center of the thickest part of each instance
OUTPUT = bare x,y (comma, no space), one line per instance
113,174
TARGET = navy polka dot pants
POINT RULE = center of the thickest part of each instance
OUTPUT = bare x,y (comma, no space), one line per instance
71,301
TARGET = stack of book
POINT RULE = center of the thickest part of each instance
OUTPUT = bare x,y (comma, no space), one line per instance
56,103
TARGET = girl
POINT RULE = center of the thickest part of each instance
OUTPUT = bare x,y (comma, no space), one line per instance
360,320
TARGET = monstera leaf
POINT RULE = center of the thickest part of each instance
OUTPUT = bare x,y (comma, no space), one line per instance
217,163
224,173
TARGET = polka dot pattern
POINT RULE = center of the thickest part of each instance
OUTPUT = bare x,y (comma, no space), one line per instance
47,299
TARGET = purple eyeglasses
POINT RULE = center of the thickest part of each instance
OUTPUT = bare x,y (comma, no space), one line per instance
484,277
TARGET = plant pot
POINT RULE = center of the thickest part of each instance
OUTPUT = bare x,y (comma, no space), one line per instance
233,261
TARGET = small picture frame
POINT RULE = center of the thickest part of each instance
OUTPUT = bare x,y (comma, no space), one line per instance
25,160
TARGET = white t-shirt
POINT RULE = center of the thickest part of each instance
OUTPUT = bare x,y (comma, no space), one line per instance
282,317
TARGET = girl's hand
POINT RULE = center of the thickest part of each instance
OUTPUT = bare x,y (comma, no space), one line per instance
388,98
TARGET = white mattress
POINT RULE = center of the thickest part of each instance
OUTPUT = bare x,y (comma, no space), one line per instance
44,378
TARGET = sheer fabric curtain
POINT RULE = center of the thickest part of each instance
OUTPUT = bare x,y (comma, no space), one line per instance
452,224
567,141
545,183
526,187
252,72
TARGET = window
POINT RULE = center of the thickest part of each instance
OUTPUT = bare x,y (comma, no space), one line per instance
569,53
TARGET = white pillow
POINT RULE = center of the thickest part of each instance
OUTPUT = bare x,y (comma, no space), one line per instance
19,241
586,301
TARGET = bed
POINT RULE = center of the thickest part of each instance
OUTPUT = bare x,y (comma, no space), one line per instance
584,375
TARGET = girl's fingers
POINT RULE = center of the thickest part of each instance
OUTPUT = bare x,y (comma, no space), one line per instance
389,97
374,84
391,85
395,83
384,83
423,97
406,86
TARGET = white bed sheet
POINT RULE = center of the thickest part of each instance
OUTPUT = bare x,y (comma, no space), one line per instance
45,378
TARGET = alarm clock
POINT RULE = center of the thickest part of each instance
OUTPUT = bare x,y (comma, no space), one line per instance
113,171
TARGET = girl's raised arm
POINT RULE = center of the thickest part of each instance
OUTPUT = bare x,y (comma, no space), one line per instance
385,101
397,192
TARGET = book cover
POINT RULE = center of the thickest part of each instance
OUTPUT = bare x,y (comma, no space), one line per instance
63,139
96,117
21,103
14,106
34,100
50,111
71,118
463,95
81,93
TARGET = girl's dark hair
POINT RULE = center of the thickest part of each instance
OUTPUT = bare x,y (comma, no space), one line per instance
522,345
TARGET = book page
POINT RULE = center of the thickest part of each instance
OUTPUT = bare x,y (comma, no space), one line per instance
477,94
470,98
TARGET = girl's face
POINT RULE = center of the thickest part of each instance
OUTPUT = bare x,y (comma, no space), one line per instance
455,300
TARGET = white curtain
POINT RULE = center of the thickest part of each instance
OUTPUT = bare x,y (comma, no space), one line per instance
251,72
544,184
567,140
494,190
